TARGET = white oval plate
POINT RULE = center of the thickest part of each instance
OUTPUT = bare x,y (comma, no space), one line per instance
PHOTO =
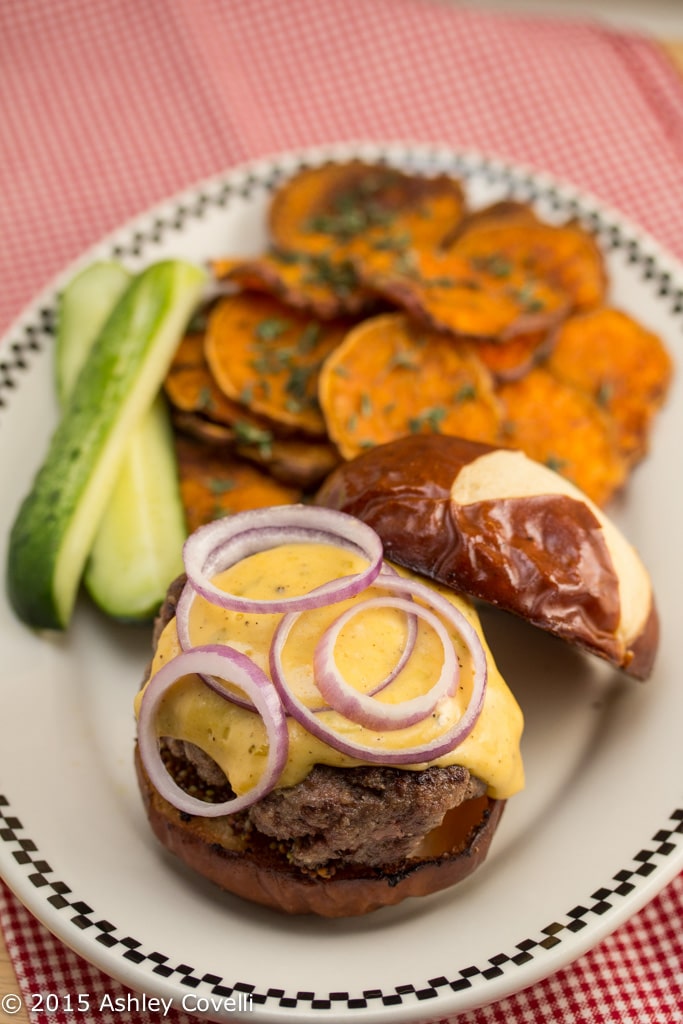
597,832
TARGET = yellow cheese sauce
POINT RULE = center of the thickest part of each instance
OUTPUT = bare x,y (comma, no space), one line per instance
367,649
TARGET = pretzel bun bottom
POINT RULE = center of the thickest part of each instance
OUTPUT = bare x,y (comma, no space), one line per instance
256,868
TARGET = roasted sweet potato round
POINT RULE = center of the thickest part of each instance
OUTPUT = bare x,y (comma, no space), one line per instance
565,255
190,387
392,377
214,482
621,365
504,211
363,207
311,282
472,297
268,357
566,429
517,356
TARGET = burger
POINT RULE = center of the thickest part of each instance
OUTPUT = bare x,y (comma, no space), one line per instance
321,731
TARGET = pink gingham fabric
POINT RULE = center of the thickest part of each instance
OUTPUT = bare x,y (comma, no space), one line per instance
107,108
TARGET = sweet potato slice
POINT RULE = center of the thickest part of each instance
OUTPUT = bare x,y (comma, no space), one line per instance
390,377
517,356
564,428
267,356
565,256
214,483
505,211
622,365
479,299
302,464
361,206
312,282
190,388
192,424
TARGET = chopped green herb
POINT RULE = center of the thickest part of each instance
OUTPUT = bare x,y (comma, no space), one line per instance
527,299
298,381
342,225
406,264
261,365
604,393
353,211
403,360
440,282
309,338
393,243
218,485
556,463
219,511
465,393
289,256
431,418
340,276
204,399
494,263
365,405
272,328
248,433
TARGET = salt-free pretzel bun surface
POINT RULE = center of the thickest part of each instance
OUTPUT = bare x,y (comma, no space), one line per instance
496,525
254,868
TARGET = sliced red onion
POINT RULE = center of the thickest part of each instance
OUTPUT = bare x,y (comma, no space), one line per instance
215,547
213,662
419,753
182,616
411,637
364,708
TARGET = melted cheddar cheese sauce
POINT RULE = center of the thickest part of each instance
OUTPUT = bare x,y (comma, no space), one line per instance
366,651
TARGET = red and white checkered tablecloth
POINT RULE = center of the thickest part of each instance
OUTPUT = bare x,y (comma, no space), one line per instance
107,108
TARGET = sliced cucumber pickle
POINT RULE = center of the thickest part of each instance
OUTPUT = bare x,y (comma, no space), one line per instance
55,528
84,307
137,550
138,546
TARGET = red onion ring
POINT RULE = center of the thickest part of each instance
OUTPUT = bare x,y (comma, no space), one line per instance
216,546
410,638
211,662
418,753
364,708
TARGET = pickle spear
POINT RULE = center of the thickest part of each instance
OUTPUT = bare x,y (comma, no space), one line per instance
56,525
137,550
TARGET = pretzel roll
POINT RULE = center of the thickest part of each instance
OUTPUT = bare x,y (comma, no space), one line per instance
495,525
